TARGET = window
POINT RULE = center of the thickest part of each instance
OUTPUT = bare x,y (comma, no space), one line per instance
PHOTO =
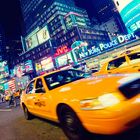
39,86
117,63
39,83
30,88
135,58
63,77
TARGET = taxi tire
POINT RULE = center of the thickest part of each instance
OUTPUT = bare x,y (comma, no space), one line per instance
71,124
27,114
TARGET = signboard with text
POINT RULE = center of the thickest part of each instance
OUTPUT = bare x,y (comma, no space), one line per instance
119,40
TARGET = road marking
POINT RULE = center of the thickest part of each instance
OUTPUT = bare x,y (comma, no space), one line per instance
5,110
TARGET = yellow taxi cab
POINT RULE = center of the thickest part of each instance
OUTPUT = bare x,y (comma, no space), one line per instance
125,63
103,105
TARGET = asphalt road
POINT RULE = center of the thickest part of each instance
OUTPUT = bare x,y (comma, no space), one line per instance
13,126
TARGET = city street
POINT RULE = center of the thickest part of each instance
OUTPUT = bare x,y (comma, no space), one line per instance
13,126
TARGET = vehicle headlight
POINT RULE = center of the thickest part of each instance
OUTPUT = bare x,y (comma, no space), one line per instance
101,102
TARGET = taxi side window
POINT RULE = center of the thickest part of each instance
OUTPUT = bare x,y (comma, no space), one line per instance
30,88
117,63
39,86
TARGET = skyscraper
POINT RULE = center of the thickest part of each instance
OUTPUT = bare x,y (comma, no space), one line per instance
62,16
53,26
35,12
2,44
105,12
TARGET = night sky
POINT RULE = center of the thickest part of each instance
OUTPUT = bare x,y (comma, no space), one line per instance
11,19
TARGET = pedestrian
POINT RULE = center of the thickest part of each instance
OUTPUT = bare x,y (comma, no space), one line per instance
11,94
2,97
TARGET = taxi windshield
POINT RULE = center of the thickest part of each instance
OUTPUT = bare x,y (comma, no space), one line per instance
63,77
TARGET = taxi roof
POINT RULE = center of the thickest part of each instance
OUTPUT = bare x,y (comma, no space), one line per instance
46,74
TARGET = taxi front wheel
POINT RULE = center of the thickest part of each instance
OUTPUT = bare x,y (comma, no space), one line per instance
27,114
70,124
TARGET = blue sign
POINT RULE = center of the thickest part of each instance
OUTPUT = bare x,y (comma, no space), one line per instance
119,40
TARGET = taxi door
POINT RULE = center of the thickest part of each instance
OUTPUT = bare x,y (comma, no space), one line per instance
30,96
42,101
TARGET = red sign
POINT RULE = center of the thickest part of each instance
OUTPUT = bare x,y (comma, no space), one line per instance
62,50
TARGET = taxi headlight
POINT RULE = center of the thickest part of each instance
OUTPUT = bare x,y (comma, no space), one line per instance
101,102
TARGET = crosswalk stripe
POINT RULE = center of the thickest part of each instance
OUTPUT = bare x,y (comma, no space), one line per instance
5,110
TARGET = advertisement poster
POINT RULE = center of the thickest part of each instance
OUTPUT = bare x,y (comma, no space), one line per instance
47,64
64,60
44,65
43,35
31,41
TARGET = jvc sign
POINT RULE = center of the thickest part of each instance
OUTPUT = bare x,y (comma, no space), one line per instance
119,40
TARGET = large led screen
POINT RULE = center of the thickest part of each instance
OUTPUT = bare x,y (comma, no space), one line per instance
43,35
130,13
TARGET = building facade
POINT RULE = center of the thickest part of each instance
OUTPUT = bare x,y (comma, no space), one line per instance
35,12
54,29
105,12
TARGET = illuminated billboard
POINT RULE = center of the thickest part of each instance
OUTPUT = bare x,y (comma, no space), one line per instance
64,60
31,41
44,65
43,35
130,13
37,37
4,71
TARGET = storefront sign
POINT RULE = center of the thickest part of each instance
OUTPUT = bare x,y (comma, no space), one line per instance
43,65
119,40
28,66
64,60
92,51
61,50
47,64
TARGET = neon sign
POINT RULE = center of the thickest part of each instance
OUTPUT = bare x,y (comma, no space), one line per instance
62,50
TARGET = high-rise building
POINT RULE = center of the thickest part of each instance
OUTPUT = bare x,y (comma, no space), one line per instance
105,12
2,44
52,25
35,12
61,16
